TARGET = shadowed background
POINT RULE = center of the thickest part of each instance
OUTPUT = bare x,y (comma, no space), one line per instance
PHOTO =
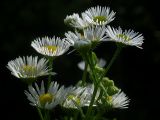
135,71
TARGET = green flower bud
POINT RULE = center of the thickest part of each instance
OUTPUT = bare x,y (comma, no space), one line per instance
99,70
107,82
112,90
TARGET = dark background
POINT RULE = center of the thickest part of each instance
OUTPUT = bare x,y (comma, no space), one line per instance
136,71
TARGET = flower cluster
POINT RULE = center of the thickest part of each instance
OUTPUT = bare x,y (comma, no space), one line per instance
94,90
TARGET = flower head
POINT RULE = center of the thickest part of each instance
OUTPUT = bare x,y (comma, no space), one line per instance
50,46
99,15
91,35
118,100
128,37
89,89
28,67
78,41
75,98
80,97
47,100
71,19
76,21
95,33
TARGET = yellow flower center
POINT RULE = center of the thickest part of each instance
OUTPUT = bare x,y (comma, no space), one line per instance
29,68
99,19
109,99
51,48
125,37
45,98
74,98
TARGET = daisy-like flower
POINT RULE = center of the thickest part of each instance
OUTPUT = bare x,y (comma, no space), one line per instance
71,19
95,33
28,67
127,37
80,97
75,98
76,21
77,40
50,46
99,15
46,100
89,92
119,100
91,35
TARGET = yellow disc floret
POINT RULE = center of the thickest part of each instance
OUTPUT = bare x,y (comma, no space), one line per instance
45,98
51,48
100,19
125,37
74,98
29,69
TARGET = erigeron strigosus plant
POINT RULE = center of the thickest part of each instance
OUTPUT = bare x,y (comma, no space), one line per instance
89,100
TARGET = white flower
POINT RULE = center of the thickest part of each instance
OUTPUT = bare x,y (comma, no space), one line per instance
77,40
71,19
80,97
76,21
128,37
47,100
89,92
101,63
50,46
28,67
73,37
75,98
99,15
91,34
95,33
119,100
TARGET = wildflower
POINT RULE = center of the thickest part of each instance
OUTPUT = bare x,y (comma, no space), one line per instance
128,37
71,19
91,36
118,100
95,33
78,41
89,92
50,46
46,100
80,97
28,67
75,98
99,15
76,21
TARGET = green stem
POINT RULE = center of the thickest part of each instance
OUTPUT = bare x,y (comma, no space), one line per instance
82,114
91,103
47,115
91,65
96,82
84,74
50,67
40,114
